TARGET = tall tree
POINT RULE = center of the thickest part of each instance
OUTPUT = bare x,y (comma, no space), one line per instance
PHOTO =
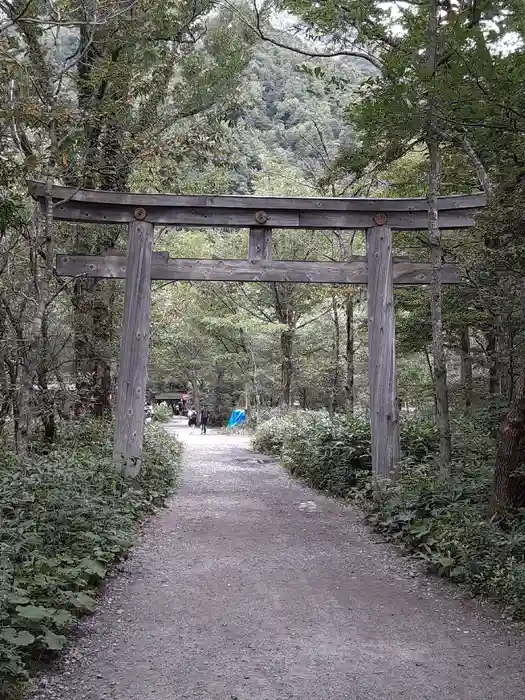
117,80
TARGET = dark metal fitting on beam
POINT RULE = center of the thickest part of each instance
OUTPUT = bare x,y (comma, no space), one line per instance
139,213
261,217
380,219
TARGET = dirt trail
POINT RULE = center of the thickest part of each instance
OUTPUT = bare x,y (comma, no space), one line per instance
251,587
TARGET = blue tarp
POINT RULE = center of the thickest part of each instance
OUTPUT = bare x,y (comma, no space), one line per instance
237,418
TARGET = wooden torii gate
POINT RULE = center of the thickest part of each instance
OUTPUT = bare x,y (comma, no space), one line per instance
139,265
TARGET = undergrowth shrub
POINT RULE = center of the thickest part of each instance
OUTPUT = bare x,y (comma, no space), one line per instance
160,412
445,523
330,452
66,516
257,418
269,435
327,453
475,437
419,437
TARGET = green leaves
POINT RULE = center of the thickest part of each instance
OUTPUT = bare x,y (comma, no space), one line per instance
81,601
62,618
93,567
161,413
24,638
53,641
330,453
16,598
444,523
35,613
21,638
66,517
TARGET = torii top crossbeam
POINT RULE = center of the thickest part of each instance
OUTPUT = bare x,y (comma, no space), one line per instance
245,211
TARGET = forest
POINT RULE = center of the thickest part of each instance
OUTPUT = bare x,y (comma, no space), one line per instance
287,98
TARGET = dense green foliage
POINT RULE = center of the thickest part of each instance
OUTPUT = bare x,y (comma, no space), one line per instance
330,453
445,524
66,517
161,412
270,434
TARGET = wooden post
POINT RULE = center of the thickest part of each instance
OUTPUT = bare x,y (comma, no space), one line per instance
384,410
260,243
132,377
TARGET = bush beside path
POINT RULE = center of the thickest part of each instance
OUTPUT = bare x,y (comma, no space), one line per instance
66,518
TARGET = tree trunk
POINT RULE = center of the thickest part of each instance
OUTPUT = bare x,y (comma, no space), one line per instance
101,383
466,367
247,397
254,378
506,361
220,407
509,477
438,349
510,339
350,355
334,394
303,398
81,343
5,389
196,398
46,408
284,312
432,378
493,361
286,367
42,280
17,427
256,391
92,327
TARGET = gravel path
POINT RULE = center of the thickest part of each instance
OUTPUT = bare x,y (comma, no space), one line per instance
251,587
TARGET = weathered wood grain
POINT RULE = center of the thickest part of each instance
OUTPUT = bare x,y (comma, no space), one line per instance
241,211
156,255
353,272
134,339
246,218
371,204
260,243
384,412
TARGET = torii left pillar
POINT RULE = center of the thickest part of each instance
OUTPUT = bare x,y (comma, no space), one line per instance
134,342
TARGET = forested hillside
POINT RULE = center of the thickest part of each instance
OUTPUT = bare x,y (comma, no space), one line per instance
361,99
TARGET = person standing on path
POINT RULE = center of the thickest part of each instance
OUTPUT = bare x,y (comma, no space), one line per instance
192,419
205,416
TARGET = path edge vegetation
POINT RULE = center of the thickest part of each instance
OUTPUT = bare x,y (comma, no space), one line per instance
67,518
445,522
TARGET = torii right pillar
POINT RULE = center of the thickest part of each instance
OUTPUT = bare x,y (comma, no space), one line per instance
384,407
